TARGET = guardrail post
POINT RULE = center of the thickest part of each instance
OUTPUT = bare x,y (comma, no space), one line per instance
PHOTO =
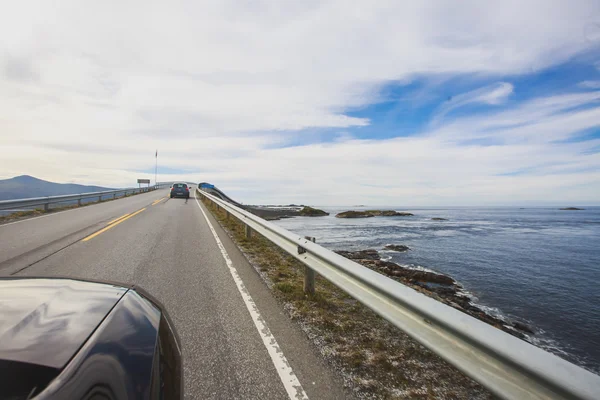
227,215
99,199
248,232
79,202
46,206
309,274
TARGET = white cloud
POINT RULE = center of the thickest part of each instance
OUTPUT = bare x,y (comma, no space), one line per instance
542,119
88,90
491,95
590,84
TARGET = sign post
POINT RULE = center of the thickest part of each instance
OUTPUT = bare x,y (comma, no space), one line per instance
145,181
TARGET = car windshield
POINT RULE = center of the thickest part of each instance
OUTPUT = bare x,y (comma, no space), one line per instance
179,185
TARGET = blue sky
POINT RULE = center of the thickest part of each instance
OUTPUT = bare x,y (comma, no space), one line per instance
384,102
408,109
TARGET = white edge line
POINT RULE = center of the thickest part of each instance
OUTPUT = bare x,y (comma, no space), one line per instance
286,374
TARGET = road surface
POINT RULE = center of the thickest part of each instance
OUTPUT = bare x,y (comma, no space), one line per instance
223,313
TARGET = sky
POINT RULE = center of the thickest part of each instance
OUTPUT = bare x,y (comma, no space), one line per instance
320,102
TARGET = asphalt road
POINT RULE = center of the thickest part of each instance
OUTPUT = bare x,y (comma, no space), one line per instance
222,312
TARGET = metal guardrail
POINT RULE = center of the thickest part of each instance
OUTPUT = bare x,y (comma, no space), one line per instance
509,367
46,201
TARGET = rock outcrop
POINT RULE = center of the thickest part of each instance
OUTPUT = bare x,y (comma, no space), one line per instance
438,219
397,247
372,213
572,209
271,213
354,214
438,286
369,254
412,275
388,213
312,212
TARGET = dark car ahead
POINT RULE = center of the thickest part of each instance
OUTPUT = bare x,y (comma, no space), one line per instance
62,338
180,190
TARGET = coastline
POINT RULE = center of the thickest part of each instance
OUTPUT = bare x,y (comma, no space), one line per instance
441,287
537,266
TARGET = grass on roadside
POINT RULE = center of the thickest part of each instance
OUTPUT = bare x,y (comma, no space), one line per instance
376,359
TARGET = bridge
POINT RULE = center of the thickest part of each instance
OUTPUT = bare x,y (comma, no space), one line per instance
237,341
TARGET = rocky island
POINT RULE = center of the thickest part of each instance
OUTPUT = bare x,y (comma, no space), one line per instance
312,212
572,209
274,213
372,213
354,214
396,247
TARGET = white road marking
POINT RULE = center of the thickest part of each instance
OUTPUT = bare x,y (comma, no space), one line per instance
286,374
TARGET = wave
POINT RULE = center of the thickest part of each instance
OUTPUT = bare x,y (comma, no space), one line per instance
419,268
540,337
555,347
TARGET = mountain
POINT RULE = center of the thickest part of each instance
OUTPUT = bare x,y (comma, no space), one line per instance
24,186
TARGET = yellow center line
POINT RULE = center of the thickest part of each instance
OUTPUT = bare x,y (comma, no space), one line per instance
116,219
93,235
158,201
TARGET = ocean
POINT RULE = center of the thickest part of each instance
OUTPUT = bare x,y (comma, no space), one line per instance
540,266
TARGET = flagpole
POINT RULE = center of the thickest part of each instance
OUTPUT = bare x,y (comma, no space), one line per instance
156,168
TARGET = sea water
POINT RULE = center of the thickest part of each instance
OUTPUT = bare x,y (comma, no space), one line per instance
536,265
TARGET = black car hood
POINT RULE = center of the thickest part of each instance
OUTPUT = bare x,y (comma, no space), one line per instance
45,321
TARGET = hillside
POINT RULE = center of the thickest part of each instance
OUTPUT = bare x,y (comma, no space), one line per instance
24,186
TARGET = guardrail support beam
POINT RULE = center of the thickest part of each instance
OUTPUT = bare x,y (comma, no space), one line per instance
309,274
248,232
79,202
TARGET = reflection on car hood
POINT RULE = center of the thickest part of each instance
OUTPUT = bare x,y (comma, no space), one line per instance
45,321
